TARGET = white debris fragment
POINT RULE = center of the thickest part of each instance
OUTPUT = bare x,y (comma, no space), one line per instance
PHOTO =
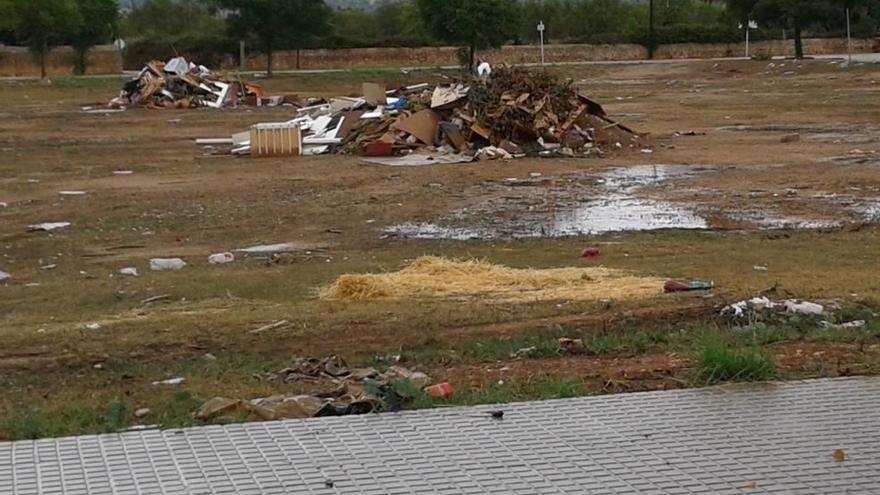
267,249
49,267
5,278
93,326
72,193
171,381
48,226
167,264
129,272
123,172
759,268
853,324
221,258
803,308
738,309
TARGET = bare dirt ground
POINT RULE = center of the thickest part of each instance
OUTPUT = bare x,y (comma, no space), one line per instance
804,208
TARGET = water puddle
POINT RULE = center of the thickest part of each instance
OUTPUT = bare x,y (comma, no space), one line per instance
609,203
852,134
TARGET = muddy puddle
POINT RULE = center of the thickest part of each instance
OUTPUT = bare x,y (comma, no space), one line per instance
635,198
575,205
844,133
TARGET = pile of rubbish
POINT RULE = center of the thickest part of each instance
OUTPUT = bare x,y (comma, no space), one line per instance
179,83
756,305
513,112
758,310
357,391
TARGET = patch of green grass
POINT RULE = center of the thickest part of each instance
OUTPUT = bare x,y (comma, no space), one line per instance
718,362
545,343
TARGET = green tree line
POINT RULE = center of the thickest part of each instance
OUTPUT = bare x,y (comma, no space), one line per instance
210,30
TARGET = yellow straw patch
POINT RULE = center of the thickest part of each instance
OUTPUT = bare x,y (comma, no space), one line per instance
434,277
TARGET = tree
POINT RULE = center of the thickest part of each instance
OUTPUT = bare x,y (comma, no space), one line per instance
98,22
277,24
474,24
794,14
44,24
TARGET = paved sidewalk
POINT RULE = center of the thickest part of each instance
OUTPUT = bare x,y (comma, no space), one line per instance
766,438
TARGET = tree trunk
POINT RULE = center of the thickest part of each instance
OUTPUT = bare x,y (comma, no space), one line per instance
798,42
297,60
80,60
43,53
269,56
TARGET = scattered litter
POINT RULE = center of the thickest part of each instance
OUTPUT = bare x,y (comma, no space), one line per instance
418,160
524,352
101,111
155,299
5,278
760,304
760,268
839,455
49,267
572,346
803,307
440,391
93,326
271,326
171,381
72,193
142,413
129,272
123,172
591,252
267,249
687,285
48,226
355,391
221,258
435,277
850,325
166,264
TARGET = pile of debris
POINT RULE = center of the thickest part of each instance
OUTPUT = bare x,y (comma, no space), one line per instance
179,83
514,112
357,391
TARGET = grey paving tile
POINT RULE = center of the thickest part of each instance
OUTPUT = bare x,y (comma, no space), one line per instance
693,442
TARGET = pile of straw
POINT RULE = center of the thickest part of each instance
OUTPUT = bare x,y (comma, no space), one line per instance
435,277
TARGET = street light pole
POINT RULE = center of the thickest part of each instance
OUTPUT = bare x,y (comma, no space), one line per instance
651,29
848,38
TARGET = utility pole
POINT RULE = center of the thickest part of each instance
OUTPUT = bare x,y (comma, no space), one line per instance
651,30
541,29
